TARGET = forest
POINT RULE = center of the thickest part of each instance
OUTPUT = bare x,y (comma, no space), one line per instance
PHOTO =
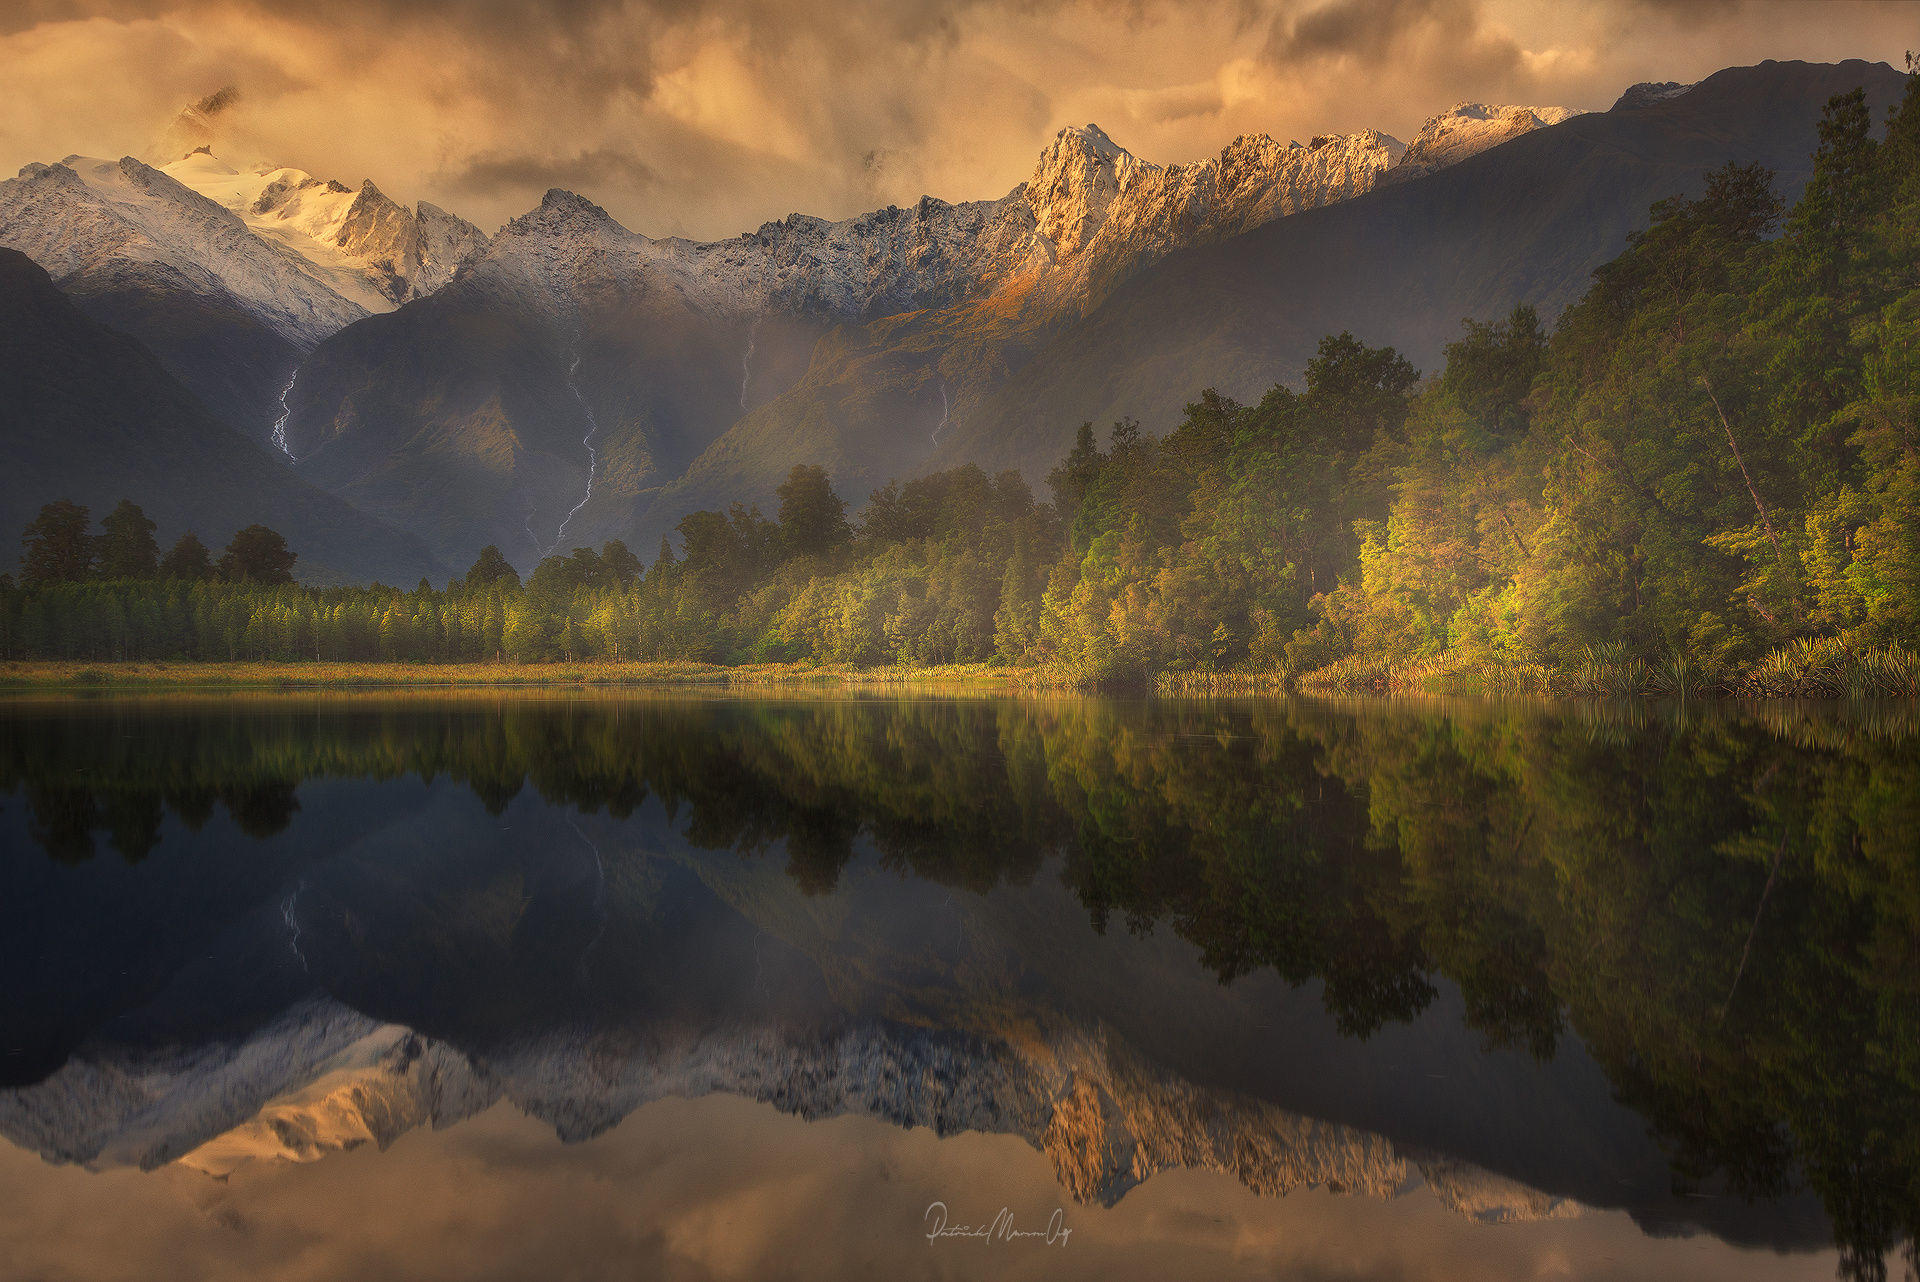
1705,476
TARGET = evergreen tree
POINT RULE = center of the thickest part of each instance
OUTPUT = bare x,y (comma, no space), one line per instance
1074,475
1490,372
58,548
187,560
127,549
257,555
488,569
813,519
619,564
1831,217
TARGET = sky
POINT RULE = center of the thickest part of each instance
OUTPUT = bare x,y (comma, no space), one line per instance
708,117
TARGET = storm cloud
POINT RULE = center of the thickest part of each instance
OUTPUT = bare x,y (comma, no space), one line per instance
708,117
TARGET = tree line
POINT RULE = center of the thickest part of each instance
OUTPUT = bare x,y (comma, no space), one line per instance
60,547
1709,466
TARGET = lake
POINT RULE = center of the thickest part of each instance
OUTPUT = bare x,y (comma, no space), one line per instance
638,985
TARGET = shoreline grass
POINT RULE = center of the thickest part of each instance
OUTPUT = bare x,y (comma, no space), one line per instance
34,675
1818,670
1821,668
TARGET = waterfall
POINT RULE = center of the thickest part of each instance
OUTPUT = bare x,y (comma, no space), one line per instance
746,361
593,455
280,424
945,410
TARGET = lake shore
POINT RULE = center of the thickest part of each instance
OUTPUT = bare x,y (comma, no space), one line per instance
186,674
1807,671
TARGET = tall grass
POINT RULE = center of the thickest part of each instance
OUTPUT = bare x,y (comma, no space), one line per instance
1221,683
1824,668
1827,668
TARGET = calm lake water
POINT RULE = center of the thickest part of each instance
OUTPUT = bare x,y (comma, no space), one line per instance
648,986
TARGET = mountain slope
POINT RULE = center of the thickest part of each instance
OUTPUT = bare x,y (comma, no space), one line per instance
229,277
1527,222
90,415
227,312
471,412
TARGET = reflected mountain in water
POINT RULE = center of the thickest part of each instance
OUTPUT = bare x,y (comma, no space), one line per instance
1533,959
325,1078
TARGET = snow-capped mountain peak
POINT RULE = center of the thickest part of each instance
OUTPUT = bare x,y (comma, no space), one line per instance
1075,181
1469,128
1649,92
562,209
372,250
88,219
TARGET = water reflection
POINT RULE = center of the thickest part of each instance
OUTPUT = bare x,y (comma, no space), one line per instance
1530,961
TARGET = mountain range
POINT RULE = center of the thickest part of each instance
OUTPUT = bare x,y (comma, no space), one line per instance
567,380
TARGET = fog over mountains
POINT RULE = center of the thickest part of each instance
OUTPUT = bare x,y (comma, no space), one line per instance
569,380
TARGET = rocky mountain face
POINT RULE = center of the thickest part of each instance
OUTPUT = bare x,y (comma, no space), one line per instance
90,415
1526,221
705,371
1649,92
1103,213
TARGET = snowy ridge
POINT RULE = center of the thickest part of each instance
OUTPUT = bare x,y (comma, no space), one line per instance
1091,214
1470,128
90,221
309,255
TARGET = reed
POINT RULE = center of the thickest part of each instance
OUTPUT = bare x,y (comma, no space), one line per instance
1810,668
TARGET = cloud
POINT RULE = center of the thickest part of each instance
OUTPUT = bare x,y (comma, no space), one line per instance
492,170
1367,30
707,117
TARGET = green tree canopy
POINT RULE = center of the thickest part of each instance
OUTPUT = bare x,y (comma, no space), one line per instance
621,566
488,569
127,549
813,519
187,560
58,548
257,555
